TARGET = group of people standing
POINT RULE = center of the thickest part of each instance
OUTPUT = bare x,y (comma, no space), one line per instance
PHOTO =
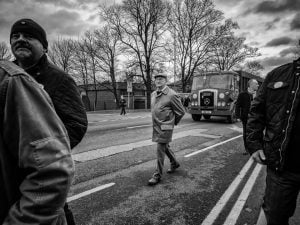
42,118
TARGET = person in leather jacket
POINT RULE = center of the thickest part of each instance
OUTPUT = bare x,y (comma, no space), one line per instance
273,132
29,46
36,167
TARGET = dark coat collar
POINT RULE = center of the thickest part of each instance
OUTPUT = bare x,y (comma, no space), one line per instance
36,69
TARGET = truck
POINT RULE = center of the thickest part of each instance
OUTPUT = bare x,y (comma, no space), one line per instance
215,93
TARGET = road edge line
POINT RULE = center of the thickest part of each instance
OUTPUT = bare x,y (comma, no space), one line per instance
214,213
240,202
209,147
91,191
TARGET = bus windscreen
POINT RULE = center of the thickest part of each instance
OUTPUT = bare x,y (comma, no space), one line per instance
218,81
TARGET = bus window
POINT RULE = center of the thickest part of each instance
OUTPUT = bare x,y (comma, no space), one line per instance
218,81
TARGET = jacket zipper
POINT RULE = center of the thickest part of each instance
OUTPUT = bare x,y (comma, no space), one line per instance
285,136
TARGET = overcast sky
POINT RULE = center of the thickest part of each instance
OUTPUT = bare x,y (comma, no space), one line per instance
272,26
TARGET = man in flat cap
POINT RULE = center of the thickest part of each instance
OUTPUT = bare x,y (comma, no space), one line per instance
29,46
167,110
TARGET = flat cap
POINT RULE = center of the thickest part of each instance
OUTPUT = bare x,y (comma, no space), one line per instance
161,75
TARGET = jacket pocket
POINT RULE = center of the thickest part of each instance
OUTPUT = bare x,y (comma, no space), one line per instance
166,127
49,150
277,91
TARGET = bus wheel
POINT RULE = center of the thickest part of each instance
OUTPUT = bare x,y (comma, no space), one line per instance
196,117
207,117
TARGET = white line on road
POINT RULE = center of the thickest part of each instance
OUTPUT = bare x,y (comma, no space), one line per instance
148,125
214,213
207,148
85,193
104,152
238,206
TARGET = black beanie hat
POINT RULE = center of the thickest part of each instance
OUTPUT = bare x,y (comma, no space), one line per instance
28,26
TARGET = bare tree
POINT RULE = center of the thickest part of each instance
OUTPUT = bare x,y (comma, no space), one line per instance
61,53
81,67
195,26
4,52
230,51
106,41
254,67
90,49
140,25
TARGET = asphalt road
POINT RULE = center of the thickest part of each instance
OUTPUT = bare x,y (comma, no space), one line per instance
215,183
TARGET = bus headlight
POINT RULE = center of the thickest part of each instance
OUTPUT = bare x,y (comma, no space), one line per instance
223,104
194,96
221,95
219,104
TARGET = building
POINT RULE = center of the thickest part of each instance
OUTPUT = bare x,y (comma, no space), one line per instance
102,98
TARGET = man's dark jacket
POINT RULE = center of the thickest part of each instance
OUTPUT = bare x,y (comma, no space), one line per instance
65,96
274,110
242,107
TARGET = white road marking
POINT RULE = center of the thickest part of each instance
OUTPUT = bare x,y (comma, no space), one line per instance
214,213
238,206
207,148
139,126
236,128
103,152
85,193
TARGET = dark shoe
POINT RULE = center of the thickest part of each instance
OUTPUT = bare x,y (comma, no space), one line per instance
154,181
173,168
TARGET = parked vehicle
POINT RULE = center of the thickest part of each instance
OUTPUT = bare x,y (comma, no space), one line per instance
215,93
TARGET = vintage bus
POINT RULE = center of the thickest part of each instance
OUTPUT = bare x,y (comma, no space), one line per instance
215,93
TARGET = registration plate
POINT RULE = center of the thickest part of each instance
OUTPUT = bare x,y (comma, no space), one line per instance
206,112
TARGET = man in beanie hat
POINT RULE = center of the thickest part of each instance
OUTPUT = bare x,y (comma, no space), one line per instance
29,46
167,110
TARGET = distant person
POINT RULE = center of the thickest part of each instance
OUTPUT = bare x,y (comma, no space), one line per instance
36,168
123,105
186,102
273,132
243,104
167,111
29,46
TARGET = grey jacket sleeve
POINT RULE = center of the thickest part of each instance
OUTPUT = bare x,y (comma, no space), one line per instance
177,107
39,141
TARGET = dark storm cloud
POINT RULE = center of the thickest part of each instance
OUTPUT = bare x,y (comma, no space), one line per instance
272,24
295,24
291,51
272,62
3,21
64,22
280,41
63,3
68,3
228,2
277,6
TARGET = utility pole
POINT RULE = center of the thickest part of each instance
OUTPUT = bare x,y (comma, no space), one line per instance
174,57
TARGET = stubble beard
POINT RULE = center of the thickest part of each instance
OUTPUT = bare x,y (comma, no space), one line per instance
24,57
